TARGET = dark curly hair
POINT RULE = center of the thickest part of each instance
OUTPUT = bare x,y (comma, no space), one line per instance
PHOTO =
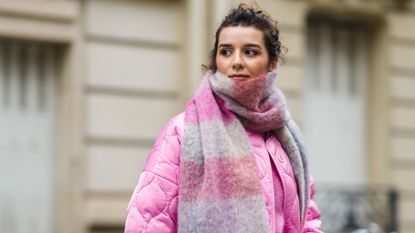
247,15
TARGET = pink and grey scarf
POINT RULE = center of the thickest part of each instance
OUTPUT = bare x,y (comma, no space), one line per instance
219,181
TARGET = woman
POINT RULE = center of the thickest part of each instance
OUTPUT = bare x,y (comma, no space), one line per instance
234,161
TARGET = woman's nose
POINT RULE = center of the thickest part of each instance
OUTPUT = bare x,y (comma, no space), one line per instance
237,63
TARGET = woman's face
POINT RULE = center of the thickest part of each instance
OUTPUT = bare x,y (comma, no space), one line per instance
241,53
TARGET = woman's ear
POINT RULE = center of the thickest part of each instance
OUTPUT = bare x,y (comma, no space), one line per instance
273,65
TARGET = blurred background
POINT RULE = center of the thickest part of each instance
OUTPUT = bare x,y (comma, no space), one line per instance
86,86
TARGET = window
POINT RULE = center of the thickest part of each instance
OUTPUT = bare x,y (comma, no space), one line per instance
28,93
335,99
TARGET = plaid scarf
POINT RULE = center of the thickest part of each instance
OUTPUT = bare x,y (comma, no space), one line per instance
219,180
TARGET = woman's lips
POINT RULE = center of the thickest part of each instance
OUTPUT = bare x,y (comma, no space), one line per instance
239,77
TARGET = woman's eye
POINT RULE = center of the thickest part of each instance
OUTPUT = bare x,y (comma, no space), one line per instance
251,52
225,52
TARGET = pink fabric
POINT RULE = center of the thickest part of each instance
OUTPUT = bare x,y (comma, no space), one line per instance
153,206
224,167
278,199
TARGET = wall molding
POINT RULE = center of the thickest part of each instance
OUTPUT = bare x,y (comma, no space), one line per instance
51,21
65,11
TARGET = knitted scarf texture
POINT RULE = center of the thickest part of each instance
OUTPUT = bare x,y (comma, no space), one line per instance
219,181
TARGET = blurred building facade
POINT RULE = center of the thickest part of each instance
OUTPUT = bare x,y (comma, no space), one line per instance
85,87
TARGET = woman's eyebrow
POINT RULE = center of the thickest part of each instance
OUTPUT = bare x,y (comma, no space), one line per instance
225,45
253,45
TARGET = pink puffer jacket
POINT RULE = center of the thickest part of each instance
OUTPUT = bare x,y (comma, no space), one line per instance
153,206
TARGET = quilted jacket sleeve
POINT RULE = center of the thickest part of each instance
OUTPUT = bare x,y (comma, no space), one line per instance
153,205
313,223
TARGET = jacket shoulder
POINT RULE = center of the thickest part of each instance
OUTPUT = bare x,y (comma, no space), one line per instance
166,150
174,127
